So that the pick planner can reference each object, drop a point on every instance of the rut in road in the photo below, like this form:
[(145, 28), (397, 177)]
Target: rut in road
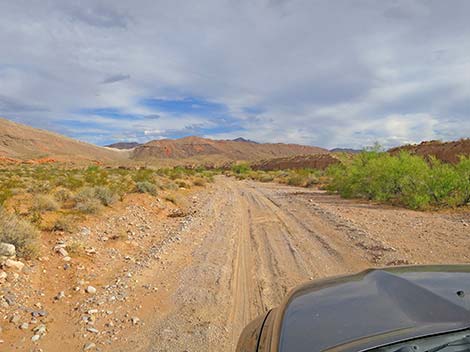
[(255, 246)]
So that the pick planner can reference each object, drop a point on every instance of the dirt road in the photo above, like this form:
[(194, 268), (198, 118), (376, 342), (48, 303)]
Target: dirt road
[(191, 282), (250, 243)]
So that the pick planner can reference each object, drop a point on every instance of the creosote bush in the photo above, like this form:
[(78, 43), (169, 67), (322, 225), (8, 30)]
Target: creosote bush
[(146, 187), (402, 179)]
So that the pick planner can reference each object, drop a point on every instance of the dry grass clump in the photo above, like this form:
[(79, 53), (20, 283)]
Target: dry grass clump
[(89, 206), (44, 202), (75, 248), (19, 233), (65, 224)]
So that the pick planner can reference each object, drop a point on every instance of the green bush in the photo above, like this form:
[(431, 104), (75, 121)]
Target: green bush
[(19, 233), (146, 187), (241, 168), (402, 179), (105, 195)]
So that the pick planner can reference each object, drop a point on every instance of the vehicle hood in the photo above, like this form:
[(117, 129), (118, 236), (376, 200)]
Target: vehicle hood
[(376, 307)]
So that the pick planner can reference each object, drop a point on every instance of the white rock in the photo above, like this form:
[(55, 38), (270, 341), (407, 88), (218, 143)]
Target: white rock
[(24, 326), (63, 252), (92, 330), (88, 346), (14, 264), (3, 275), (35, 338), (7, 250), (91, 289)]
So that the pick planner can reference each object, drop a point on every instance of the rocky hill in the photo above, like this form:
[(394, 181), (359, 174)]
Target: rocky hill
[(123, 145), (20, 142), (311, 161), (204, 149), (445, 151)]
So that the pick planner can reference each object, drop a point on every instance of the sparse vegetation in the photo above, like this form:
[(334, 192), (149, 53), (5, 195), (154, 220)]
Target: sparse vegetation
[(51, 197)]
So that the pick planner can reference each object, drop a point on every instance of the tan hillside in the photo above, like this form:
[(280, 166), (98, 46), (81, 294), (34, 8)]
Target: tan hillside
[(445, 151), (23, 142), (204, 149)]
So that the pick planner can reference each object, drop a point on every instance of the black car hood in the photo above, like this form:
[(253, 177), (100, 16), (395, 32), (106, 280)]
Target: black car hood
[(376, 307)]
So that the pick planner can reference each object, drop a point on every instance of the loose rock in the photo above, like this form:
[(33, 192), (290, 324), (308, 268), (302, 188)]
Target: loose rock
[(14, 264), (91, 289), (7, 250)]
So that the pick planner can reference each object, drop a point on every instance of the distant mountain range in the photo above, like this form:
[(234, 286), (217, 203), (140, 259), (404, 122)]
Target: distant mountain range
[(123, 145), (205, 149), (22, 143)]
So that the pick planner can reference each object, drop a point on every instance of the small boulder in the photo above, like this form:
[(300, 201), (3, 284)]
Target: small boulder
[(7, 250), (88, 346), (14, 264), (63, 252), (91, 289)]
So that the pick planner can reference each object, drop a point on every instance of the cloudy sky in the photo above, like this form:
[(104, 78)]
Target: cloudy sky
[(330, 73)]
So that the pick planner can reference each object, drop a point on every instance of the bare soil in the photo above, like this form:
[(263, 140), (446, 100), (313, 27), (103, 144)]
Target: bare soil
[(236, 249)]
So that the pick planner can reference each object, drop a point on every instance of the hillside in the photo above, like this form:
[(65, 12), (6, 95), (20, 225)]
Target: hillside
[(311, 161), (123, 145), (23, 142), (445, 151), (204, 149), (345, 150)]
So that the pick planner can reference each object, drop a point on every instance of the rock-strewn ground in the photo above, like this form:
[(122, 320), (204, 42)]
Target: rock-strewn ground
[(151, 277)]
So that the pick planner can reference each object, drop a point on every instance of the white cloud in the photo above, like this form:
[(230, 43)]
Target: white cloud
[(329, 73)]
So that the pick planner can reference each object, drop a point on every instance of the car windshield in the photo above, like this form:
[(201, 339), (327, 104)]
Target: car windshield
[(452, 342)]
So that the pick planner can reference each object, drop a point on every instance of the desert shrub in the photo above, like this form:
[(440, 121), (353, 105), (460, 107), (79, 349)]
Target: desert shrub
[(171, 186), (75, 248), (45, 202), (88, 206), (63, 194), (296, 180), (65, 224), (182, 184), (241, 168), (146, 187), (19, 233), (266, 178), (199, 182), (403, 179), (105, 195)]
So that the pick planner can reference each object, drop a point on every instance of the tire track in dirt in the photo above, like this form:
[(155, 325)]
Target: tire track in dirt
[(252, 251)]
